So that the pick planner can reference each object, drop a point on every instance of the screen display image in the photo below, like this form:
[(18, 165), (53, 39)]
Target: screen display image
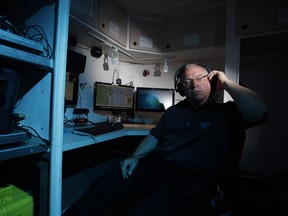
[(113, 97), (154, 99)]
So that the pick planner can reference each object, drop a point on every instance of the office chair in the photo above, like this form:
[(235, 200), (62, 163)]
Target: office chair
[(219, 197)]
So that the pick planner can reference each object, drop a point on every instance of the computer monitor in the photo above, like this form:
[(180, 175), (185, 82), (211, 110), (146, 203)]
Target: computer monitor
[(115, 98), (154, 99)]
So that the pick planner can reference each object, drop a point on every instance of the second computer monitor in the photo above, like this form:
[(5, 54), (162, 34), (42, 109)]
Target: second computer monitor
[(154, 99)]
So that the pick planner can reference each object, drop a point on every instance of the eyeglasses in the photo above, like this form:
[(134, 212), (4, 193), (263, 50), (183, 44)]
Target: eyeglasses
[(187, 82)]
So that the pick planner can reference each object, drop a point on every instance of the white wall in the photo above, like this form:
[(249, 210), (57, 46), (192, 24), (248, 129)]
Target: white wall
[(127, 72)]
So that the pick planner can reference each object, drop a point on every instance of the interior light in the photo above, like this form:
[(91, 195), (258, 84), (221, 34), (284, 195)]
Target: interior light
[(115, 56), (165, 66)]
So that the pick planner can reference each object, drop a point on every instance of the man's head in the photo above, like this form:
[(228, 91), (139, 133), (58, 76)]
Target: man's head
[(194, 84)]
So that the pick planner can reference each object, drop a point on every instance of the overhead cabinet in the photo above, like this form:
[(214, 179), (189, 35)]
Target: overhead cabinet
[(145, 34), (113, 21), (86, 10), (197, 30), (261, 16)]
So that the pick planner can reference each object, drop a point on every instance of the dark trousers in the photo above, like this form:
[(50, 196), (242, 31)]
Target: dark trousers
[(154, 188)]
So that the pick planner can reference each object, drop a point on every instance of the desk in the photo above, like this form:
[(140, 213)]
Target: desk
[(75, 172), (73, 140)]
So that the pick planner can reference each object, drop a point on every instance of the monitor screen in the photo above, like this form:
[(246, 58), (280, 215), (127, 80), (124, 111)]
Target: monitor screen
[(154, 99), (115, 98)]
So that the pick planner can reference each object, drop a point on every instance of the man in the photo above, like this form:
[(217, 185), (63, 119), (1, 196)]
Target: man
[(183, 153)]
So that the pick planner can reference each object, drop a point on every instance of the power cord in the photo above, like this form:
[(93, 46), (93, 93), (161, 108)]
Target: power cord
[(40, 36), (26, 130)]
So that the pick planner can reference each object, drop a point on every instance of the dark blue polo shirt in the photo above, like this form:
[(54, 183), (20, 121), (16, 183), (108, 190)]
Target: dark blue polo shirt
[(200, 139)]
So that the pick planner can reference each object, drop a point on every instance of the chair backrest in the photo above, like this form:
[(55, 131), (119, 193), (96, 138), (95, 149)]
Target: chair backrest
[(237, 141), (217, 197)]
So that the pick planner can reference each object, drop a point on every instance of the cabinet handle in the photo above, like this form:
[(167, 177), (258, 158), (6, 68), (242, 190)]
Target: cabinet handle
[(103, 25), (135, 43), (167, 46)]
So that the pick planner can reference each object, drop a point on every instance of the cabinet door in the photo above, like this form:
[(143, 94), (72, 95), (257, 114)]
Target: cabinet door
[(197, 30), (113, 20), (86, 10), (256, 16), (145, 34)]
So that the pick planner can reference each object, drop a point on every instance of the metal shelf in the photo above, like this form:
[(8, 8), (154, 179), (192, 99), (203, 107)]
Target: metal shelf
[(19, 149), (20, 55), (22, 49)]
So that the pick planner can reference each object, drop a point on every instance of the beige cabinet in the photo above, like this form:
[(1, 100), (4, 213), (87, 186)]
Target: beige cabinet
[(257, 16), (86, 10), (113, 21), (197, 30), (145, 34)]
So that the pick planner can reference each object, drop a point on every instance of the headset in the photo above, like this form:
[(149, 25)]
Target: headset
[(177, 77)]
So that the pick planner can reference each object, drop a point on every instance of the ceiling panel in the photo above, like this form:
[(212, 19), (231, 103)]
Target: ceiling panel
[(163, 9)]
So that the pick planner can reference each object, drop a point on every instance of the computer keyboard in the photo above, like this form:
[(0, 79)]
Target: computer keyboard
[(101, 128)]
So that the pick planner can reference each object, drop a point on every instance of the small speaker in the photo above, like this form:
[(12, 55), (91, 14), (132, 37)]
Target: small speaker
[(96, 52), (75, 62)]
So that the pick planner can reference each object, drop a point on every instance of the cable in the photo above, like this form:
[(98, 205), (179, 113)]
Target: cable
[(140, 117), (40, 36), (67, 121), (24, 128), (79, 100)]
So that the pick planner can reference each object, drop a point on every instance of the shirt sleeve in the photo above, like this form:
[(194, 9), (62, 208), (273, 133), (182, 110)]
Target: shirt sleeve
[(158, 130)]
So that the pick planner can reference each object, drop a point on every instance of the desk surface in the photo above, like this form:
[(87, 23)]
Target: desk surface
[(74, 139)]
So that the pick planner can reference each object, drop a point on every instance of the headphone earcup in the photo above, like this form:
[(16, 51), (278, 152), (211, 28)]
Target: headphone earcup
[(177, 85), (179, 89)]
